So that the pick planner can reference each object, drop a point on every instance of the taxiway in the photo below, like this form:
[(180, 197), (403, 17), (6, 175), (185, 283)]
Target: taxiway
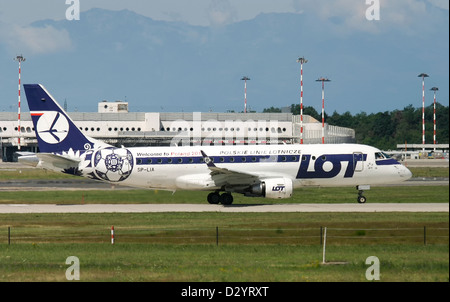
[(158, 208)]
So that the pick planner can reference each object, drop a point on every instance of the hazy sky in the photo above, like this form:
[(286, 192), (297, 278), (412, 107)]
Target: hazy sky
[(195, 12), (345, 16), (207, 12)]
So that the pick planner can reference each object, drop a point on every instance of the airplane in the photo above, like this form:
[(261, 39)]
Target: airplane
[(269, 171)]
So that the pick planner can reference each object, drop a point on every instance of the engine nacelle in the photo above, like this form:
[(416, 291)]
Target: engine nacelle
[(275, 188)]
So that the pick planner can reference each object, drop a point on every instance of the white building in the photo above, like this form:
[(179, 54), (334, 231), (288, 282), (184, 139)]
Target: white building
[(115, 125)]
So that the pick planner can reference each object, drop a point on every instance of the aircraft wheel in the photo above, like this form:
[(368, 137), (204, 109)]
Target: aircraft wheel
[(226, 199), (214, 198), (362, 199)]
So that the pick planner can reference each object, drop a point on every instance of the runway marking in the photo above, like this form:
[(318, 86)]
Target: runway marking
[(159, 208)]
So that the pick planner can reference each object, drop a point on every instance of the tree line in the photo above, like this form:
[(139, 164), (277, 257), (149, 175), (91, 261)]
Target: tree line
[(385, 130)]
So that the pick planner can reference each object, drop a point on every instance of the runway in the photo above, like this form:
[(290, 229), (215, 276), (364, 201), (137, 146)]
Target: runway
[(261, 208)]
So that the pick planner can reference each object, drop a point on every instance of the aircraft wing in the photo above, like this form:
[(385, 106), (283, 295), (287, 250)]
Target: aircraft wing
[(222, 176)]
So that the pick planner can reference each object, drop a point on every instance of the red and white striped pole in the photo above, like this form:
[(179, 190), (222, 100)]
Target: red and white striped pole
[(112, 234), (323, 113), (323, 80), (20, 59), (301, 61), (245, 79), (423, 76), (434, 89)]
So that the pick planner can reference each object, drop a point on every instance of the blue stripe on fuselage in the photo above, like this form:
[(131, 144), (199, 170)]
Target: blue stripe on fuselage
[(216, 159), (386, 162)]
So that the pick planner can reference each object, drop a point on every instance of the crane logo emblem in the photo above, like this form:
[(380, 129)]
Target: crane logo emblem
[(52, 127)]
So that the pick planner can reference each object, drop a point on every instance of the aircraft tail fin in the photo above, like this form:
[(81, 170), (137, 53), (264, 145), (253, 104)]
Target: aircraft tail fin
[(55, 130)]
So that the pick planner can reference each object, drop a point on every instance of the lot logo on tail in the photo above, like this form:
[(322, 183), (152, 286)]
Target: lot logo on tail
[(52, 126)]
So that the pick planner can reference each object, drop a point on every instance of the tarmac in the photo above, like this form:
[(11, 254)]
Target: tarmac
[(261, 208)]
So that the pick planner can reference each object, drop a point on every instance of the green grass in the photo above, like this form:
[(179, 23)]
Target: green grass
[(32, 173), (142, 262), (429, 171), (233, 228), (182, 246), (401, 194)]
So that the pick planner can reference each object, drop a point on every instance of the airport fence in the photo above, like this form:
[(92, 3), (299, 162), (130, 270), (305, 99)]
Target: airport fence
[(226, 235)]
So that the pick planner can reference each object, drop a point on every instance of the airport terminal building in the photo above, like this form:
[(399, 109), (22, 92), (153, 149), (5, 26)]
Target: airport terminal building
[(114, 125)]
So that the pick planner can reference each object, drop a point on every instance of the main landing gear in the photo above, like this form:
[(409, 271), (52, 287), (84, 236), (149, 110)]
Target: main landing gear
[(216, 198), (361, 198)]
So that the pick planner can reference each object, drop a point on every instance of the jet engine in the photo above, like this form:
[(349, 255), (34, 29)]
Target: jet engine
[(275, 188)]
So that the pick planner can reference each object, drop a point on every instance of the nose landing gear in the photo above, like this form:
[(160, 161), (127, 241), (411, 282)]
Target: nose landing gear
[(361, 198), (361, 188)]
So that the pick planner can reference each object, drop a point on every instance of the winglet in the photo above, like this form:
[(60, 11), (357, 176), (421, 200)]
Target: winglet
[(208, 161)]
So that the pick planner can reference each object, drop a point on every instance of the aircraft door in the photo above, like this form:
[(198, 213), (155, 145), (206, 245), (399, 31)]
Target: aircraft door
[(358, 162)]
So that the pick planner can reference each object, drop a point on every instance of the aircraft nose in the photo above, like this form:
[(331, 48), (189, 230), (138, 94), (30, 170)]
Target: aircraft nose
[(405, 173)]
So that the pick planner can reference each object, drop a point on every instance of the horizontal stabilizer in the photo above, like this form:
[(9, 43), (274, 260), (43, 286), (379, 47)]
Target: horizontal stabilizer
[(56, 162)]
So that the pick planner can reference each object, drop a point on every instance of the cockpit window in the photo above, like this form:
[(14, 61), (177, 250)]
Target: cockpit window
[(386, 155), (381, 155)]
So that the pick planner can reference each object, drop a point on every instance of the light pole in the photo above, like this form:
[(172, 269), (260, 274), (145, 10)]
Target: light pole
[(20, 59), (245, 79), (301, 61), (434, 89), (323, 80), (423, 76)]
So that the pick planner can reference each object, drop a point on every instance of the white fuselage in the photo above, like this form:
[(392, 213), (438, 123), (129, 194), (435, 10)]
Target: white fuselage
[(175, 168)]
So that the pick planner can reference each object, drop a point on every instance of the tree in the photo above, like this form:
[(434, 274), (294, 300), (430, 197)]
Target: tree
[(385, 130), (272, 110)]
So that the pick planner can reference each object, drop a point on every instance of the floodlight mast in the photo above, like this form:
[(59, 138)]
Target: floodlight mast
[(19, 59), (245, 79), (301, 61), (434, 89), (423, 76), (323, 80)]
